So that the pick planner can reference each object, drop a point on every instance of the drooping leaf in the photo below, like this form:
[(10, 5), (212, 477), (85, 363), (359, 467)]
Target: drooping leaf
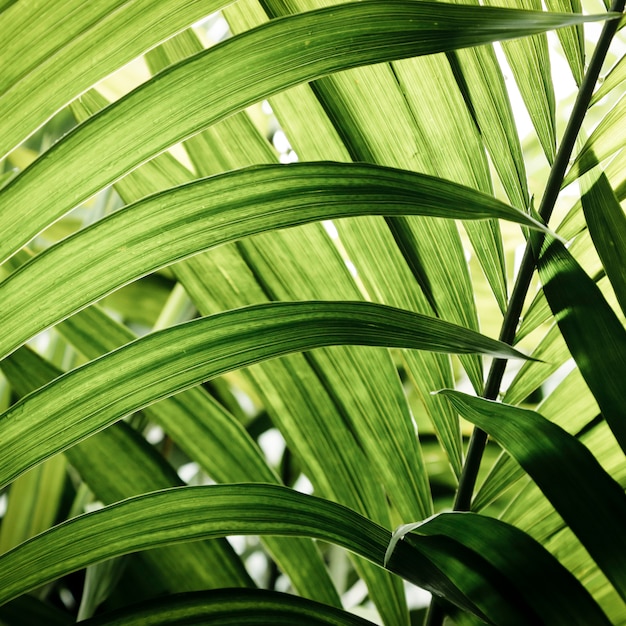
[(304, 401), (506, 564), (213, 438), (593, 334), (605, 140), (121, 137), (441, 557), (174, 359), (607, 227), (230, 606), (567, 473), (51, 56), (173, 225), (118, 463)]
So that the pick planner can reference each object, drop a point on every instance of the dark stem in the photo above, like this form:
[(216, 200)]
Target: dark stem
[(478, 440)]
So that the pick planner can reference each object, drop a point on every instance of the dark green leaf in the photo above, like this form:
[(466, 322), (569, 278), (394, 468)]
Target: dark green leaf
[(595, 337), (585, 496)]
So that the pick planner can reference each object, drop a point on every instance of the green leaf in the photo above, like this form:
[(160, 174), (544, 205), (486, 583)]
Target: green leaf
[(572, 39), (595, 337), (511, 577), (230, 606), (28, 513), (186, 220), (567, 473), (435, 558), (207, 433), (184, 514), (605, 140), (118, 463), (483, 85), (613, 79), (529, 61), (27, 610), (306, 402), (607, 227), (171, 360), (51, 56), (303, 47)]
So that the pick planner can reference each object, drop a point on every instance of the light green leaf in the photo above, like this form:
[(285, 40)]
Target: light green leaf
[(481, 78), (52, 54), (440, 563), (177, 358), (180, 104), (175, 224), (613, 79), (34, 503), (303, 401), (215, 439), (567, 473), (529, 61), (118, 463), (606, 139), (572, 39)]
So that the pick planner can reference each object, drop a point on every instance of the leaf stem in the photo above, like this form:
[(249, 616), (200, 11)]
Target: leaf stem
[(478, 440)]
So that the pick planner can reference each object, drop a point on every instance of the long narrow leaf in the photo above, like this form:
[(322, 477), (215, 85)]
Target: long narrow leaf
[(184, 221), (242, 70), (230, 607), (587, 498), (163, 363), (607, 138), (52, 54), (607, 227), (199, 426), (595, 337), (443, 556), (537, 589)]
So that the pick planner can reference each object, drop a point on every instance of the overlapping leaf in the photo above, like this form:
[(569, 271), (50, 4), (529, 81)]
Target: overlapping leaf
[(180, 103), (173, 225), (567, 473), (444, 555), (97, 394)]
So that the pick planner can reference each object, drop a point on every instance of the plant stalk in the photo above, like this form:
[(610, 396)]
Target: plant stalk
[(478, 439)]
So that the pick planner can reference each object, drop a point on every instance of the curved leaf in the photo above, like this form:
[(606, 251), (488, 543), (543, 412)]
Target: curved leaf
[(607, 138), (93, 396), (242, 70), (522, 583), (613, 79), (607, 227), (595, 337), (184, 514), (585, 496), (437, 558), (230, 607), (199, 425), (52, 54), (183, 221)]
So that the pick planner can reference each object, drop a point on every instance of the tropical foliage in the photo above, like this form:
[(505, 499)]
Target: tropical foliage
[(240, 389)]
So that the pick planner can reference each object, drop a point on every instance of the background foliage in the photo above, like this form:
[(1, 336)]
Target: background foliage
[(236, 389)]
